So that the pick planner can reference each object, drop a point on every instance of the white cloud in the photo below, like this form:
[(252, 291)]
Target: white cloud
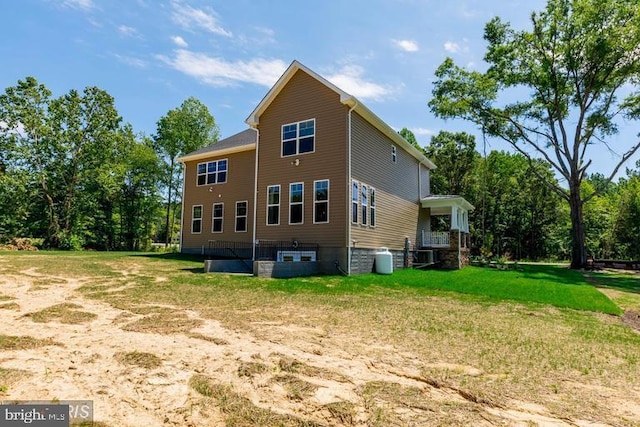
[(127, 31), (350, 79), (79, 4), (407, 45), (422, 131), (179, 41), (130, 60), (219, 72), (189, 17), (452, 47)]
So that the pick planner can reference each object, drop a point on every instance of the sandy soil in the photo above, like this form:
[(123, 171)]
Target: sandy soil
[(84, 367)]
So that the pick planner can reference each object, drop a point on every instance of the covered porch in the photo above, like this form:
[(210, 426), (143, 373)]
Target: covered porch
[(449, 248)]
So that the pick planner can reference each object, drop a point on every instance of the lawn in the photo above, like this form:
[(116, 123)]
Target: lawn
[(507, 340)]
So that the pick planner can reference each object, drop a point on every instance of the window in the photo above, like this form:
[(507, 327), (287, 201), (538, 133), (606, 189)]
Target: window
[(354, 201), (196, 219), (241, 216), (298, 138), (296, 203), (273, 205), (212, 172), (218, 213), (363, 199), (321, 201), (372, 207), (394, 154)]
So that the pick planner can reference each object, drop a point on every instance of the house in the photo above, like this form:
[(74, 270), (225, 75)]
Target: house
[(317, 184)]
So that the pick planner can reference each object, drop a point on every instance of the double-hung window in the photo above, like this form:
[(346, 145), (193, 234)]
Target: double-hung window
[(217, 217), (273, 205), (298, 138), (196, 219), (372, 207), (214, 172), (394, 154), (241, 216), (296, 203), (363, 199), (354, 201), (321, 201)]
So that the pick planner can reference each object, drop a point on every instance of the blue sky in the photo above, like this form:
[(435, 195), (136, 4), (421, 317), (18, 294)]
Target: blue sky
[(151, 55)]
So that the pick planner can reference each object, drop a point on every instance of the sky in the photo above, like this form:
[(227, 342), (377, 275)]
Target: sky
[(151, 55)]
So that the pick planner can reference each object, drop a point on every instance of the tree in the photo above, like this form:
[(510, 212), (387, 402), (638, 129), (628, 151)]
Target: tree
[(575, 62), (179, 132), (455, 155), (410, 137)]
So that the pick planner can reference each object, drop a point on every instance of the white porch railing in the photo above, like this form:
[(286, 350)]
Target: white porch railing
[(435, 239)]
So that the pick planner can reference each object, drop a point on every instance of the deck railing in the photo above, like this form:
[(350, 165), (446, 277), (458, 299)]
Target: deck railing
[(435, 239)]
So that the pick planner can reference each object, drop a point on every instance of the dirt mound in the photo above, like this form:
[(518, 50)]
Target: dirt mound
[(632, 319)]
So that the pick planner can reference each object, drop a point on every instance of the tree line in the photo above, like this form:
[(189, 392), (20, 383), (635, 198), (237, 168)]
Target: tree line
[(73, 174), (519, 217)]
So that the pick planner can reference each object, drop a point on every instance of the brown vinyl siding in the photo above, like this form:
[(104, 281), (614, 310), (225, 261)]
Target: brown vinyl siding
[(396, 184), (304, 98), (239, 187)]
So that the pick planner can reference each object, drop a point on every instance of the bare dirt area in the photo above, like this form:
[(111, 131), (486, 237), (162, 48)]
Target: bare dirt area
[(163, 365)]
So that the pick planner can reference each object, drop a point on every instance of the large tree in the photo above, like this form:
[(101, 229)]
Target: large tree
[(578, 60), (455, 155), (182, 130)]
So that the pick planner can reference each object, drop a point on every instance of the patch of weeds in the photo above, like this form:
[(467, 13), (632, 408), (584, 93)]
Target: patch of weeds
[(8, 377), (11, 342), (10, 306), (172, 323), (343, 412), (63, 313), (296, 388), (5, 297), (240, 411), (141, 359), (215, 340), (251, 369), (293, 366)]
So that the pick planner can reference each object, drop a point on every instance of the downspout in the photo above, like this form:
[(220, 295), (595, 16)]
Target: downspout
[(184, 179), (349, 189), (255, 194)]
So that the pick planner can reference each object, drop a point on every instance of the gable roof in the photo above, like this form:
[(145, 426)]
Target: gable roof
[(349, 100), (241, 141)]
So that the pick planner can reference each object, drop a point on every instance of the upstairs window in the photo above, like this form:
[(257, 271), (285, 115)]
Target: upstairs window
[(212, 172), (298, 138), (394, 154)]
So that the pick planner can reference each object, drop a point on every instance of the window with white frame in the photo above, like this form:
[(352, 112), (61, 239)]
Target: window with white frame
[(394, 154), (298, 138), (241, 216), (214, 172), (321, 201), (372, 207), (273, 205), (354, 201), (296, 203), (196, 219), (217, 217), (364, 197)]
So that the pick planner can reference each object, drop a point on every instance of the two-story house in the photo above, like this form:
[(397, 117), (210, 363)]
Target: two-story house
[(317, 184)]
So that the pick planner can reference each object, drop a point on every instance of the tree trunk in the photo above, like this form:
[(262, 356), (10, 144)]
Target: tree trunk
[(578, 252), (168, 233)]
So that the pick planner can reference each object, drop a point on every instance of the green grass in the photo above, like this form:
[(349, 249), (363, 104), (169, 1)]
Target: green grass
[(539, 284)]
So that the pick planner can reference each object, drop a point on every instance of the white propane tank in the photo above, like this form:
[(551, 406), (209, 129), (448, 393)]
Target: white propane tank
[(384, 261)]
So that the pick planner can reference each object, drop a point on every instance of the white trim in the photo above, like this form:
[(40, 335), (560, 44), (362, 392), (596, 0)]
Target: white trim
[(255, 197), (278, 205), (348, 185), (221, 218), (301, 203), (217, 153), (245, 216), (201, 218), (321, 201)]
